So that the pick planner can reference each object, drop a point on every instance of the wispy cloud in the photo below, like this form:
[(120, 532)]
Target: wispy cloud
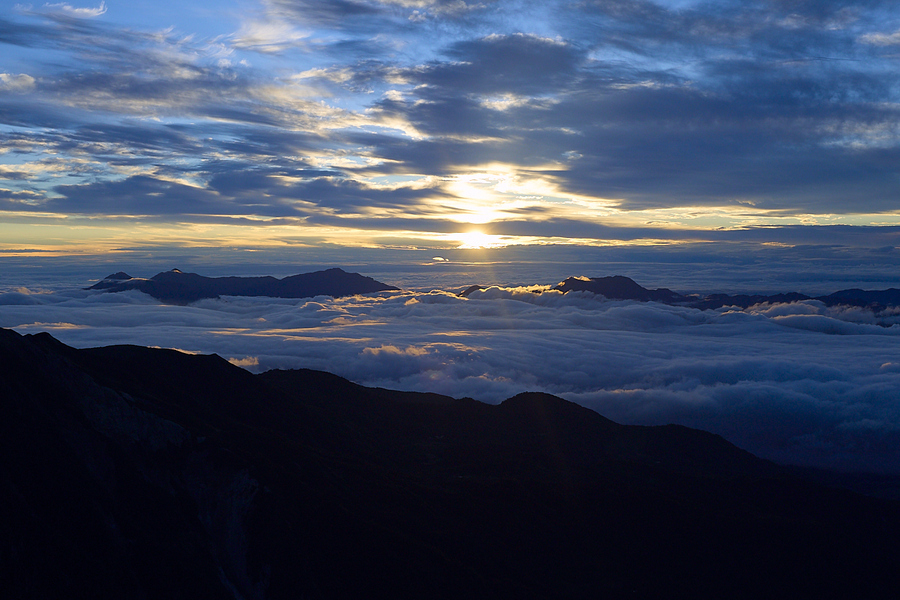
[(66, 9), (20, 82), (269, 37), (882, 39)]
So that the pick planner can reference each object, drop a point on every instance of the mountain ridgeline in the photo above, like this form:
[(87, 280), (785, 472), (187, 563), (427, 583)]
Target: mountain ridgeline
[(132, 472), (177, 287), (619, 287)]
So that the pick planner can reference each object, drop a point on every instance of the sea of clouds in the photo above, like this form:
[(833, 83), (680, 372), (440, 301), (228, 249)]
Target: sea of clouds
[(797, 383)]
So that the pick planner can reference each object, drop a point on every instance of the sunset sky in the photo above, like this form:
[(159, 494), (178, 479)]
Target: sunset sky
[(438, 124)]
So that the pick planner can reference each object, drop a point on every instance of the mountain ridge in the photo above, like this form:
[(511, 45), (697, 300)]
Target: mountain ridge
[(178, 287), (620, 287)]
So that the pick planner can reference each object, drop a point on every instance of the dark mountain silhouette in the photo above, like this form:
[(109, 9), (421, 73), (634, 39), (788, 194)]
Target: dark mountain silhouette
[(874, 299), (619, 287), (131, 472), (713, 301), (177, 287), (468, 291)]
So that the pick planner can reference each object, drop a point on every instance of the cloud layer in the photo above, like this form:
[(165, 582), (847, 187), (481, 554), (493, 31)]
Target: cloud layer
[(796, 383)]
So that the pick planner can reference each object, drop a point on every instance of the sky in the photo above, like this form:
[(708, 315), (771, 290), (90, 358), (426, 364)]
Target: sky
[(282, 125)]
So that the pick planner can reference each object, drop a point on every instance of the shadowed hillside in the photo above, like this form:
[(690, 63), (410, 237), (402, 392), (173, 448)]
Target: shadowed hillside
[(130, 472)]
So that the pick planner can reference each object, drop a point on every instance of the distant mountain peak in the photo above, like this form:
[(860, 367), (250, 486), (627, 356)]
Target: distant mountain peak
[(620, 287), (118, 276), (117, 279), (617, 287), (178, 287), (469, 290)]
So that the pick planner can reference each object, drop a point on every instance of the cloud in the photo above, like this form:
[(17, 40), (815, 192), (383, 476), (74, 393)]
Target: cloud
[(797, 382), (67, 10), (345, 195), (269, 36), (17, 201), (519, 63), (78, 12), (17, 298), (251, 193), (20, 83), (661, 144), (881, 39), (138, 195), (246, 362)]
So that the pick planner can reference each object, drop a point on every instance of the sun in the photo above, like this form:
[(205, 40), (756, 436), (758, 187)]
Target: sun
[(475, 239)]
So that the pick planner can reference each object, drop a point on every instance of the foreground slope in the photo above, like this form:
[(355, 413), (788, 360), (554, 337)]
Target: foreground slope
[(129, 472)]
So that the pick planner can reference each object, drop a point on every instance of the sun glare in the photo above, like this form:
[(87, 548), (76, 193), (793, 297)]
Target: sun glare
[(476, 239)]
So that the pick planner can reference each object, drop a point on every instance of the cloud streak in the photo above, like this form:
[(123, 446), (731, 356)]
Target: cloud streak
[(68, 10)]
